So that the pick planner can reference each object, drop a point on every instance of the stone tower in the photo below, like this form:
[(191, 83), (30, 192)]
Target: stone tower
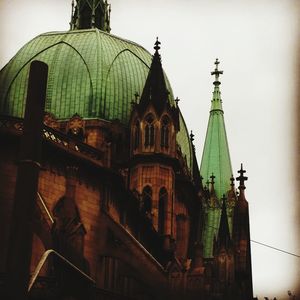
[(154, 124)]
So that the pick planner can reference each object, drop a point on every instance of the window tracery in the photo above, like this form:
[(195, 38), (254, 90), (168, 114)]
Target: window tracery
[(164, 134), (149, 131), (136, 135)]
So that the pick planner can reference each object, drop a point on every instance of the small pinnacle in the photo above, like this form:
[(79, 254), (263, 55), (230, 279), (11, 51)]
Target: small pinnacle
[(212, 177), (136, 95), (242, 178), (157, 43), (232, 180), (192, 136)]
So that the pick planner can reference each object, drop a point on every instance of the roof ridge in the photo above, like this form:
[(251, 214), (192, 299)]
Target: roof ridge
[(92, 30)]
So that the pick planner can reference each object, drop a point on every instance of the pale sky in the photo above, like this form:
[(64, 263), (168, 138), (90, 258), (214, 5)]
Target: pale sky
[(257, 42)]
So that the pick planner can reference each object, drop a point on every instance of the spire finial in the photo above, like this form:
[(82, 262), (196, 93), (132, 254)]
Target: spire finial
[(232, 181), (217, 73), (192, 136), (157, 43), (136, 96), (212, 177), (242, 178), (176, 101)]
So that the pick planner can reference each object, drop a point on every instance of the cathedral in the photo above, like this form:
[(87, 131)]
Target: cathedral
[(101, 193)]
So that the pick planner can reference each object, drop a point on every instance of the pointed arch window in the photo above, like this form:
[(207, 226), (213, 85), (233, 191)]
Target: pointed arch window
[(162, 208), (164, 133), (85, 17), (149, 131), (147, 199), (136, 135)]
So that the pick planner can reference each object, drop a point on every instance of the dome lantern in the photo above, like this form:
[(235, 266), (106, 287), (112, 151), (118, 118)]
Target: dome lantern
[(91, 14)]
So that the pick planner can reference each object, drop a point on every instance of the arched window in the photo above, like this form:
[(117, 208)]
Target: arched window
[(136, 135), (164, 134), (147, 199), (149, 131), (162, 207), (85, 17)]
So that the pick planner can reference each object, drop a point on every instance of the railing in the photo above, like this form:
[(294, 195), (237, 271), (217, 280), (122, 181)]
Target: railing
[(42, 204), (43, 260), (50, 283), (55, 137)]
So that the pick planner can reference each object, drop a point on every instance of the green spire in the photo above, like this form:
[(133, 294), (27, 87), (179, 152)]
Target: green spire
[(216, 161), (216, 158)]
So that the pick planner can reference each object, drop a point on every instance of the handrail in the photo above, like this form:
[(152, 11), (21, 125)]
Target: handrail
[(136, 242), (45, 207), (58, 138), (42, 262)]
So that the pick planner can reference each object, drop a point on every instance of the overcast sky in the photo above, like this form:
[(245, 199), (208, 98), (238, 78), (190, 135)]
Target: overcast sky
[(257, 42)]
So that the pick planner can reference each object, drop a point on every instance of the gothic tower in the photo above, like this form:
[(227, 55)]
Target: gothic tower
[(154, 123)]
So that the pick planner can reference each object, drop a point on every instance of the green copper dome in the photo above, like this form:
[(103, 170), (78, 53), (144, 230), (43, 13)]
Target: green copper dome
[(91, 72)]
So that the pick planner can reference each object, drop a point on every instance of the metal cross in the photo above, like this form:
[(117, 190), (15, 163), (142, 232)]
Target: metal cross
[(212, 177), (232, 180), (216, 72), (242, 178), (157, 43), (192, 136)]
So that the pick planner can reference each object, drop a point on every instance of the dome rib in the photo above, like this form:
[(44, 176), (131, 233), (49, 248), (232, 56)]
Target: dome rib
[(84, 77), (131, 71), (39, 53)]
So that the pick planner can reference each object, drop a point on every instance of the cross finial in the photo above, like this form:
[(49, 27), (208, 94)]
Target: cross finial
[(217, 73), (157, 43), (232, 181), (212, 177), (177, 100), (217, 63), (242, 178), (192, 136), (136, 96)]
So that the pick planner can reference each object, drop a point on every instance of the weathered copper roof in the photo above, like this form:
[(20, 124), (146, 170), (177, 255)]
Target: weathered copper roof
[(216, 161), (216, 157), (91, 73)]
